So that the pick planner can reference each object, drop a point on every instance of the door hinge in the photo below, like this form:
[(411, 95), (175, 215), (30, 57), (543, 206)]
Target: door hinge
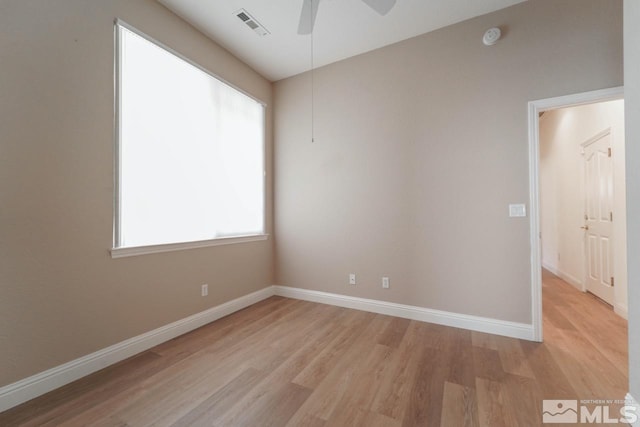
[(611, 216), (613, 282), (609, 151)]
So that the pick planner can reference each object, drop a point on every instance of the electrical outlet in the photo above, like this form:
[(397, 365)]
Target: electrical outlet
[(385, 282), (352, 278), (204, 291)]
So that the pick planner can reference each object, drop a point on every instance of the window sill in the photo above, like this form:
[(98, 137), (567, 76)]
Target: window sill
[(170, 247)]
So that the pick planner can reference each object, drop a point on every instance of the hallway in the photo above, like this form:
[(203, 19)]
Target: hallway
[(587, 340)]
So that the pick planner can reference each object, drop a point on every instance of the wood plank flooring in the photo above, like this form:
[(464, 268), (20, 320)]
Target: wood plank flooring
[(283, 362)]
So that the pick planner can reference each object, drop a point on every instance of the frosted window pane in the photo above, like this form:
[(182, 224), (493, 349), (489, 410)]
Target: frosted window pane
[(191, 151)]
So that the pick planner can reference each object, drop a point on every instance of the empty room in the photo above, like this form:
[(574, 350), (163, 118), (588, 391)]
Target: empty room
[(319, 213)]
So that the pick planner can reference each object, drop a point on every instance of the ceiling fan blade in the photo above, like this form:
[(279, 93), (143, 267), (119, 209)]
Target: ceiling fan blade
[(308, 16), (381, 6)]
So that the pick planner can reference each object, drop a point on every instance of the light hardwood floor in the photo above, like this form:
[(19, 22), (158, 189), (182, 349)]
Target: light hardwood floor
[(284, 362)]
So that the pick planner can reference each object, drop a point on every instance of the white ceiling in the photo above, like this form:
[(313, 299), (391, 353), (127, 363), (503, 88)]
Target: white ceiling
[(344, 28)]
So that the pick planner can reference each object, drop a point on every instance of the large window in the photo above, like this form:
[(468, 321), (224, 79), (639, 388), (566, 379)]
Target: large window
[(190, 155)]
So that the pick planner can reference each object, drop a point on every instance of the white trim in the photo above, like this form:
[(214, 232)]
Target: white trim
[(14, 394), (170, 247), (534, 219), (117, 133), (534, 108), (573, 100), (551, 268), (29, 388), (474, 323), (633, 402), (621, 311), (597, 137), (573, 281)]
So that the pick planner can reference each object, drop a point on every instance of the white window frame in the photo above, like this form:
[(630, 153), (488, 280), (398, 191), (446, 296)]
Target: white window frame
[(118, 251)]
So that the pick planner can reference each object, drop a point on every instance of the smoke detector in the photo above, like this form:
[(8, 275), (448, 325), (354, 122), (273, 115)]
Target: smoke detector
[(491, 36), (251, 22)]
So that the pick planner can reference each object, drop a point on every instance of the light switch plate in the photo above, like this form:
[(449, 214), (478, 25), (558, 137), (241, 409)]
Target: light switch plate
[(517, 210)]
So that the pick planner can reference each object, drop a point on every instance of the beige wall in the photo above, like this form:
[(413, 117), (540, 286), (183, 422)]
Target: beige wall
[(61, 294), (420, 147), (562, 191), (632, 116)]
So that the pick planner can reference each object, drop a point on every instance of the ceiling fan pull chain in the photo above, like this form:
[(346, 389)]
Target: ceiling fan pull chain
[(312, 86)]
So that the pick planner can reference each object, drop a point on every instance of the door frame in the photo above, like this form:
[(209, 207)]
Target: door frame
[(534, 108)]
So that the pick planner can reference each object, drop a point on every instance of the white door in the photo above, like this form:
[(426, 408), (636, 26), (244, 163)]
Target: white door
[(599, 216)]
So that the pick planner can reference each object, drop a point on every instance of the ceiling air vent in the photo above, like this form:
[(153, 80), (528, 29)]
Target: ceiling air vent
[(251, 22)]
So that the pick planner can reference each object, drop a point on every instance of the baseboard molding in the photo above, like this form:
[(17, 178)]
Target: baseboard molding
[(551, 268), (29, 388), (621, 311), (573, 281), (617, 308), (39, 384), (474, 323)]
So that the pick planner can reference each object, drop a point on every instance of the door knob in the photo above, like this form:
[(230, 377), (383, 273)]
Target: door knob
[(586, 227)]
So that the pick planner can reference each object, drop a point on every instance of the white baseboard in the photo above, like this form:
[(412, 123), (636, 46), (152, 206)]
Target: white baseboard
[(621, 311), (14, 394), (632, 402), (464, 321), (617, 308), (547, 266), (29, 388), (573, 281)]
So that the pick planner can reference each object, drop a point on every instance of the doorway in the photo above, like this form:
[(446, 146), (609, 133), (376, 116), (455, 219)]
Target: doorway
[(576, 187)]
